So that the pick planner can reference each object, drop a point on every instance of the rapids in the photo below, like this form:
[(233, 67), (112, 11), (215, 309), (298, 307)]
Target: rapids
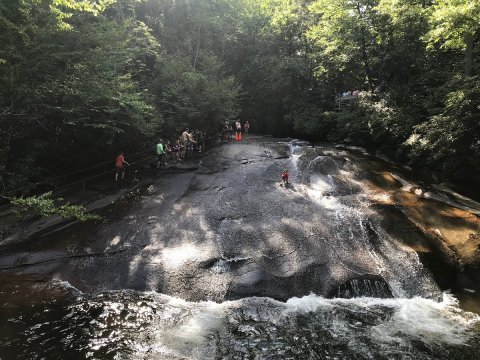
[(146, 325)]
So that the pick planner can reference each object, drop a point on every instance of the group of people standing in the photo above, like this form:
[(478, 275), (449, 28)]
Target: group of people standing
[(229, 129), (178, 149), (188, 142), (171, 150)]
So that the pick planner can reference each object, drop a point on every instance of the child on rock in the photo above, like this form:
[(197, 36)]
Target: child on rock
[(284, 178)]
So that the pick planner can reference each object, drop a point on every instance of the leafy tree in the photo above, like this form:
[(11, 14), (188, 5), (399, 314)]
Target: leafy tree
[(69, 95), (81, 78), (449, 142), (455, 24), (347, 36), (201, 97), (269, 60), (65, 9)]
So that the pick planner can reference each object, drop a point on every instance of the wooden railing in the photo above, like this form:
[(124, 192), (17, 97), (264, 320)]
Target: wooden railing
[(344, 102)]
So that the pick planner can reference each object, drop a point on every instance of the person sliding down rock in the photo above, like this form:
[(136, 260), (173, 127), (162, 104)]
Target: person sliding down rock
[(284, 178)]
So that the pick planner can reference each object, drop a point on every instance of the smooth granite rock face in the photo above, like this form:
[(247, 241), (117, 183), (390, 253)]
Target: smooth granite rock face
[(228, 230)]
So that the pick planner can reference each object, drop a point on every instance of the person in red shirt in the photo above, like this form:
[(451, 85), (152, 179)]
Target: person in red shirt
[(284, 178), (120, 165)]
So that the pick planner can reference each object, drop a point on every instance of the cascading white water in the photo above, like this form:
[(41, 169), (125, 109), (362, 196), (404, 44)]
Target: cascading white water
[(151, 325), (349, 213), (296, 152), (225, 264)]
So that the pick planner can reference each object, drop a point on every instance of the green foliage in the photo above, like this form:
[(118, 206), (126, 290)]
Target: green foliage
[(68, 96), (80, 79), (455, 24), (65, 9), (452, 21), (314, 124), (269, 60), (199, 97), (449, 142), (44, 205), (347, 33)]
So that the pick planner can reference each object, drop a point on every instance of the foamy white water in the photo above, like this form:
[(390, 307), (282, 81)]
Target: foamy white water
[(368, 327)]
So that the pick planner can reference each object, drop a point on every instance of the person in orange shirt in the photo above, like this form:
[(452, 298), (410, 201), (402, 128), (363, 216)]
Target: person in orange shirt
[(120, 165)]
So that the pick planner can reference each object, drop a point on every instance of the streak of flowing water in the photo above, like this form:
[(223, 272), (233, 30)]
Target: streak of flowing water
[(355, 227), (225, 264), (296, 152)]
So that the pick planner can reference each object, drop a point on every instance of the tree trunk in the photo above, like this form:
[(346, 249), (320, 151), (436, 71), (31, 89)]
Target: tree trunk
[(366, 63), (120, 16), (365, 58), (196, 54), (469, 40), (197, 47)]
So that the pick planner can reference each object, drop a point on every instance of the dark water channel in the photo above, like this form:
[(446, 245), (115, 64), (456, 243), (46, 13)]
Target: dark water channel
[(223, 263)]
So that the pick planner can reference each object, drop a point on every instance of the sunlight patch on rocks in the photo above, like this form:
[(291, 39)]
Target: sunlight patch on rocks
[(134, 264), (381, 198), (115, 242), (177, 256)]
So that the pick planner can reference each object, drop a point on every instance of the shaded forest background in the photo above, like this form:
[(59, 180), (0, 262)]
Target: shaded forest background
[(80, 80)]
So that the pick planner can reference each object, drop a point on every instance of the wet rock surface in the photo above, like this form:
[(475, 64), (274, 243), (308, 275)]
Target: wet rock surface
[(228, 230), (196, 250)]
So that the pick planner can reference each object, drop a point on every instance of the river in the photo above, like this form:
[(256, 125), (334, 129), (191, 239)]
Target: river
[(354, 260)]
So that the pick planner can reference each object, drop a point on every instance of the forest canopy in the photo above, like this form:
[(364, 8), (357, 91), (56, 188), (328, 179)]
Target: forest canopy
[(81, 79)]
